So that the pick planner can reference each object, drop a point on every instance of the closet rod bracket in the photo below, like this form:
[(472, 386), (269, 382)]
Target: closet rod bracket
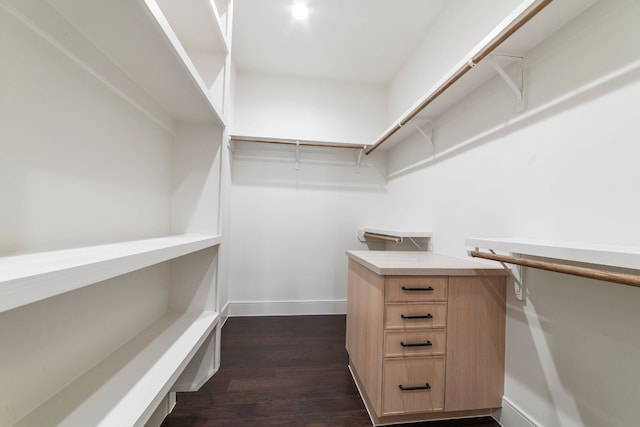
[(516, 273), (517, 88), (297, 166), (428, 135), (359, 159)]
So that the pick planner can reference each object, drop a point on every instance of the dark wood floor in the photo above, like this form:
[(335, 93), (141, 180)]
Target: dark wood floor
[(283, 371)]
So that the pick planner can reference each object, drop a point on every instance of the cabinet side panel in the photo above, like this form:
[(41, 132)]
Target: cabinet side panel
[(475, 343), (365, 303)]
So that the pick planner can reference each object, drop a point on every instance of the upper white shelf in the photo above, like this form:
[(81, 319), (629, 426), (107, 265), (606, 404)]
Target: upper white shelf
[(444, 96), (609, 255), (125, 388), (28, 278), (125, 40), (198, 26)]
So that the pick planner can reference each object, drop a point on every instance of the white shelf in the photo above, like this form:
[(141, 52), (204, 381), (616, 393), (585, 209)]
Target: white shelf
[(124, 41), (126, 387), (28, 278), (396, 233), (370, 235), (197, 26), (203, 54), (609, 255), (550, 19)]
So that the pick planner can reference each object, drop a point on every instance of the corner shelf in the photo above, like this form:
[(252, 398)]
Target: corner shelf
[(28, 278), (125, 388), (392, 235), (609, 255)]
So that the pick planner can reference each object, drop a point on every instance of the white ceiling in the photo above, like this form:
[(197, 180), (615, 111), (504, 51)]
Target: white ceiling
[(354, 40)]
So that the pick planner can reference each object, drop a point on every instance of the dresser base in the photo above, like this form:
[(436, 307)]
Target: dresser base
[(410, 418)]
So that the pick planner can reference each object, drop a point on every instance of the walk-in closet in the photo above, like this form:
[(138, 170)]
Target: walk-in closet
[(319, 212)]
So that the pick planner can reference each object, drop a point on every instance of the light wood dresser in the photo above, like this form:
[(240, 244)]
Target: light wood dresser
[(425, 335)]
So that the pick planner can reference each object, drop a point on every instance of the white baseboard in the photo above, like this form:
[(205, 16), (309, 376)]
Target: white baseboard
[(510, 415), (286, 308)]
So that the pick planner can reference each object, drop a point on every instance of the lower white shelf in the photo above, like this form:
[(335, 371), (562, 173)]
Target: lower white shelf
[(396, 232), (25, 279), (126, 387), (393, 235)]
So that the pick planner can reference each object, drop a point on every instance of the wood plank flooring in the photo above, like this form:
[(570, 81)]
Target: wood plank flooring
[(283, 371)]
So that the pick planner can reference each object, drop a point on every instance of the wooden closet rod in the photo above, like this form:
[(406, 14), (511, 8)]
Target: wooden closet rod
[(514, 26), (591, 273), (383, 237), (303, 143)]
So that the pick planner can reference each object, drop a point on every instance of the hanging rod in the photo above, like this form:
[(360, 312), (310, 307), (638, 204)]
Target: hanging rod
[(514, 26), (591, 273), (383, 237), (300, 142)]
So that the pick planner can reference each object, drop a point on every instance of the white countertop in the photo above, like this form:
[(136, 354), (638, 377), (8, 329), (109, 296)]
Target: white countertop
[(414, 263)]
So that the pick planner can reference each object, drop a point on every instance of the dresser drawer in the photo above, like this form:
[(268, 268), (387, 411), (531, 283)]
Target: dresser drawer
[(415, 316), (415, 288), (413, 385), (423, 343)]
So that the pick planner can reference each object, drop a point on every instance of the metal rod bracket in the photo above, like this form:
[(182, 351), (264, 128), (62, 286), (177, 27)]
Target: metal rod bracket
[(517, 275), (428, 135), (359, 159), (518, 89), (297, 155)]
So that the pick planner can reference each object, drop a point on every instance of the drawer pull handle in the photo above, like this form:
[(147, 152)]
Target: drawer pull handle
[(417, 344), (415, 387), (429, 289), (422, 316)]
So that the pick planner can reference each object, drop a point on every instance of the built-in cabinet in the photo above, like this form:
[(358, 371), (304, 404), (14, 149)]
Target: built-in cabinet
[(425, 335), (114, 175)]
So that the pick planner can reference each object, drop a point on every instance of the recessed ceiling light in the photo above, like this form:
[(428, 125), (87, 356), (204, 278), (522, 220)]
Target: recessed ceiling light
[(300, 11)]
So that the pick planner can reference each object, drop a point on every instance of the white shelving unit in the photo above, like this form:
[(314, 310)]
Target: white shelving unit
[(25, 279), (117, 328), (609, 255)]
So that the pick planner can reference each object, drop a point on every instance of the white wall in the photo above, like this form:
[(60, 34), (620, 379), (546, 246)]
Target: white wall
[(303, 108), (290, 228), (564, 169)]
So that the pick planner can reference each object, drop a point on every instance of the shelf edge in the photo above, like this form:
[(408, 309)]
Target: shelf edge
[(75, 269), (142, 370), (608, 255)]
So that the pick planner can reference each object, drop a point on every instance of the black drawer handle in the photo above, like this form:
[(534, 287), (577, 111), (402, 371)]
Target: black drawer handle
[(429, 289), (422, 316), (417, 344), (416, 387)]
